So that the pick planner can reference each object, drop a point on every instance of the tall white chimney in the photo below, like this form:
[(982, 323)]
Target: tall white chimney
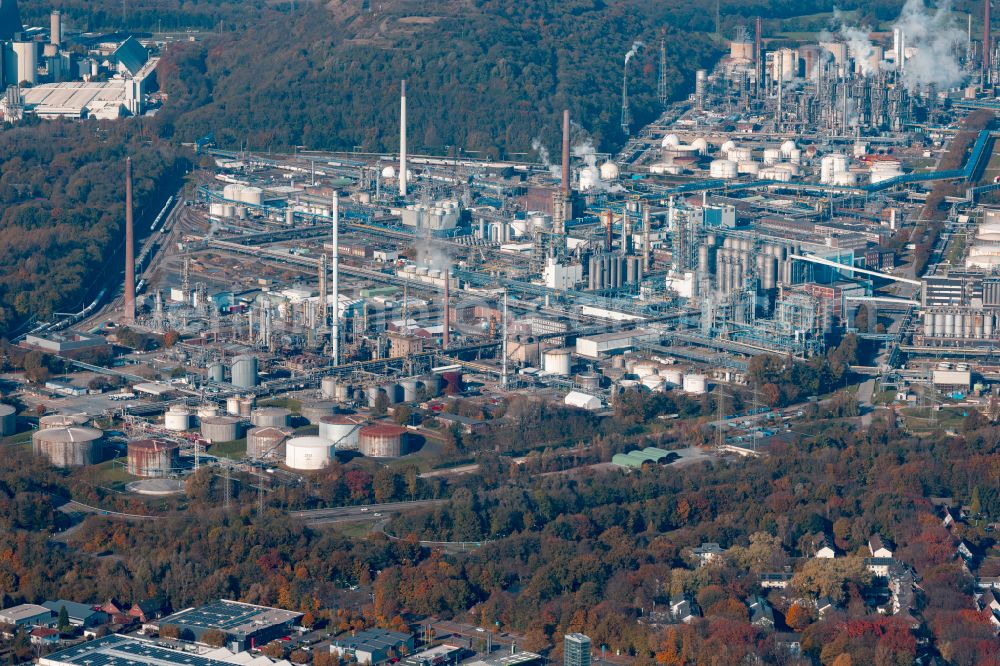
[(402, 139), (335, 325)]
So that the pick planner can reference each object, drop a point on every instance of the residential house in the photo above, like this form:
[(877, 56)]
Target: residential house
[(879, 566), (148, 610), (761, 613), (989, 599), (682, 610), (112, 607), (789, 641), (80, 615), (878, 547), (821, 547), (44, 636), (775, 579), (963, 551), (824, 606), (707, 552)]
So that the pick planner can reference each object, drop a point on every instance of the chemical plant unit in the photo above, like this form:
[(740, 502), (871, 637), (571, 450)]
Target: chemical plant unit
[(772, 212), (52, 72)]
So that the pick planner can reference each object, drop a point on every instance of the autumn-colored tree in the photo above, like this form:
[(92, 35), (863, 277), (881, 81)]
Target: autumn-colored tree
[(843, 659), (274, 650), (798, 617), (170, 631), (214, 637)]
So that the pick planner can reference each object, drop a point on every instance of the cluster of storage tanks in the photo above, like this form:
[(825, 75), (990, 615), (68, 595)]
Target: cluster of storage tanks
[(973, 324), (985, 251), (243, 194), (731, 263), (779, 164), (656, 376), (244, 371), (612, 270), (378, 440)]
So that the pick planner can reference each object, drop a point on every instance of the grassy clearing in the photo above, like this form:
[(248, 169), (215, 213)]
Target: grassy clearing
[(288, 403), (235, 450)]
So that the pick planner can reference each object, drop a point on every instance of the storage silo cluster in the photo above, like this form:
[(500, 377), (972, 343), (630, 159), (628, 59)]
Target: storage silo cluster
[(612, 271), (244, 371)]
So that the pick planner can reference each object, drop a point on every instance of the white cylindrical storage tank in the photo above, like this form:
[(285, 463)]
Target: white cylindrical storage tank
[(557, 361), (670, 140), (267, 442), (609, 171), (586, 177), (826, 169), (62, 421), (724, 169), (694, 383), (938, 324), (928, 325), (177, 418), (410, 387), (74, 446), (341, 429), (275, 417), (845, 179), (653, 382), (739, 154), (949, 325), (787, 147), (772, 156), (748, 167), (220, 428), (216, 373), (987, 325), (308, 453), (329, 387), (8, 420), (207, 410), (233, 405), (253, 195), (673, 376), (795, 157), (245, 371)]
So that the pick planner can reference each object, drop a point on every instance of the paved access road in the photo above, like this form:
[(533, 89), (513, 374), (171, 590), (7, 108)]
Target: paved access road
[(344, 514)]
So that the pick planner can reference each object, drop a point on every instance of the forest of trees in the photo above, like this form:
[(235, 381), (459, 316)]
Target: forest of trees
[(488, 76), (62, 208)]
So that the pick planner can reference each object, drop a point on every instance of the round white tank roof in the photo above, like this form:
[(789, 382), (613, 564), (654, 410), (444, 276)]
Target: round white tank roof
[(609, 171), (670, 140), (388, 172), (310, 442)]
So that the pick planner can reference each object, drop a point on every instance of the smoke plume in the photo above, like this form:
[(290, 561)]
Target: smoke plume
[(634, 50), (936, 42), (543, 155)]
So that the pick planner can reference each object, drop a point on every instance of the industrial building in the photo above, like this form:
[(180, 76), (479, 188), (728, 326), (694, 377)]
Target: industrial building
[(373, 646), (245, 625), (115, 650)]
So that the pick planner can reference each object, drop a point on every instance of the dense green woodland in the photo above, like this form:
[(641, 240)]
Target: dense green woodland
[(62, 209), (582, 552)]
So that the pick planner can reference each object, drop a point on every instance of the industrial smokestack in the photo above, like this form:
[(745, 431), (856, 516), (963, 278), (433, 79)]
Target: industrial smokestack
[(987, 41), (446, 340), (646, 233), (55, 27), (402, 139), (129, 246), (565, 154), (335, 321)]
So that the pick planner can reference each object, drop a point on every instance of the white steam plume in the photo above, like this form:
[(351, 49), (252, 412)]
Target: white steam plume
[(634, 50), (936, 42), (860, 48), (543, 155)]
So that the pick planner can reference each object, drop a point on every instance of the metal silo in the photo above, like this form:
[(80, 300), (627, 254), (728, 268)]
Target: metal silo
[(153, 458), (8, 420), (244, 371), (314, 411), (267, 442), (217, 373), (221, 428), (275, 417), (73, 446), (382, 440)]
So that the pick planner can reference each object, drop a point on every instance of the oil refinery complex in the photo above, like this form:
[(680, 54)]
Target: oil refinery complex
[(787, 203)]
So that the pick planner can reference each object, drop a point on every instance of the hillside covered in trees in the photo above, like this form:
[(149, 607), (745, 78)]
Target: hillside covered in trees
[(62, 209), (483, 75)]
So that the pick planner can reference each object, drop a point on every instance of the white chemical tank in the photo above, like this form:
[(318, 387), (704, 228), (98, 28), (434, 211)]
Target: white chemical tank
[(696, 384)]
